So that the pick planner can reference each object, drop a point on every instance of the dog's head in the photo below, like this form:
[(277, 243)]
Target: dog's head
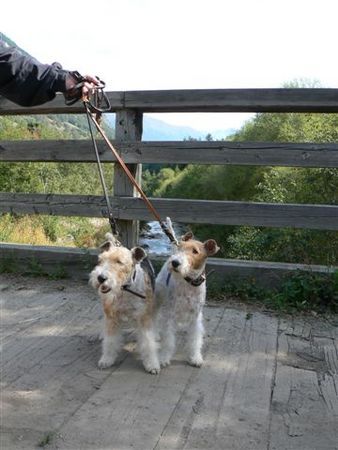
[(115, 267), (191, 255)]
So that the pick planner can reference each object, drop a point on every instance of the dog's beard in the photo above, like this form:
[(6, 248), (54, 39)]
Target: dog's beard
[(104, 289)]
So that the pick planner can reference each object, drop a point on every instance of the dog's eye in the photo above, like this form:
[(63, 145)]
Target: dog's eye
[(118, 261), (195, 251)]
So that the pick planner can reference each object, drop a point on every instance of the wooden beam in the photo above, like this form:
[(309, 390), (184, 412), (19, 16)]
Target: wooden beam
[(176, 152), (200, 100), (234, 100), (77, 262), (320, 217), (128, 127)]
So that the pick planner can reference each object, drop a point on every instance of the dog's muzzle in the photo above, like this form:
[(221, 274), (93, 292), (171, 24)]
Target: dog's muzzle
[(102, 286), (175, 264)]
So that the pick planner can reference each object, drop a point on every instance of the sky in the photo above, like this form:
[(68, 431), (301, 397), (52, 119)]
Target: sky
[(183, 44)]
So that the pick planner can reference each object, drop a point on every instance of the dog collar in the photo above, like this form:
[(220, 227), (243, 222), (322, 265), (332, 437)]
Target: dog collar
[(126, 287), (196, 281), (193, 281)]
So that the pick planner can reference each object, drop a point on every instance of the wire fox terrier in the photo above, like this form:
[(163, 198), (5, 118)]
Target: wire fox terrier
[(124, 280), (180, 292)]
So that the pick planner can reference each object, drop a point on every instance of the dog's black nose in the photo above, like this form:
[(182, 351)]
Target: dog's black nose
[(175, 263), (101, 278)]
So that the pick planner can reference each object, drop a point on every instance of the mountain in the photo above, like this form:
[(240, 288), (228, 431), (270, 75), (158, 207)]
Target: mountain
[(158, 130)]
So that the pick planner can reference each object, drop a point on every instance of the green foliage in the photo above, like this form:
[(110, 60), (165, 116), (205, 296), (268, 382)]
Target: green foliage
[(35, 268), (56, 178), (299, 291), (265, 184), (307, 290), (287, 245), (209, 182)]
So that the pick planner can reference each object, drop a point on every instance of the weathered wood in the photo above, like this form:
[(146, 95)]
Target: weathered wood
[(267, 274), (320, 217), (142, 405), (234, 100), (128, 126), (54, 261), (201, 100), (176, 152), (303, 403), (251, 393), (230, 407), (77, 263)]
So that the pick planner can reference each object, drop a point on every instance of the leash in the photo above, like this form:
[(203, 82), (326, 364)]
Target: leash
[(111, 219), (94, 110)]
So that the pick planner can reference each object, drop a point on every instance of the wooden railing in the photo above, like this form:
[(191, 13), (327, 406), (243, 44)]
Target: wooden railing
[(129, 107)]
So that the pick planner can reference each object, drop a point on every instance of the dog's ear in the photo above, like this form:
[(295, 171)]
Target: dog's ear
[(211, 247), (187, 236), (138, 254), (105, 246)]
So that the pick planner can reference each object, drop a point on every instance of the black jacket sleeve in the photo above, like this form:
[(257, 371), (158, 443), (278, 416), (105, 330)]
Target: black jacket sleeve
[(27, 82)]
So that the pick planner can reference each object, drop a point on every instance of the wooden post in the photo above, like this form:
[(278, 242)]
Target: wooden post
[(128, 127)]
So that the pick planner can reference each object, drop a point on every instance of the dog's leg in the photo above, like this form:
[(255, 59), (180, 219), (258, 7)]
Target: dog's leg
[(195, 341), (168, 343), (111, 344), (147, 346)]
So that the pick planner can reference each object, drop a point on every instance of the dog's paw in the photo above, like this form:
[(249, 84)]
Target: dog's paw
[(196, 361), (105, 362), (152, 367), (165, 362), (153, 370)]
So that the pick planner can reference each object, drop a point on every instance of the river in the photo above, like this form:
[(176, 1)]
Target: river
[(154, 241)]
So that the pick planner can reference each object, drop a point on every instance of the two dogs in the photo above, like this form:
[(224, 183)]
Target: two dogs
[(126, 285)]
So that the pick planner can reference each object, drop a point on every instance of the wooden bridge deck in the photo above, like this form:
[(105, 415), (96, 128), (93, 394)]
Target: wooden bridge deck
[(267, 383)]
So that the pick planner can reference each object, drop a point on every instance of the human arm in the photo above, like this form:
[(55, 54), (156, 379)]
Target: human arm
[(27, 82)]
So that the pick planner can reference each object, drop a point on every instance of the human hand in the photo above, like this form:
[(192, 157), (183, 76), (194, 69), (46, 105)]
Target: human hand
[(89, 85), (78, 86)]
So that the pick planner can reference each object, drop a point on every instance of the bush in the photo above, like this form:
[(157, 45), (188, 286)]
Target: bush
[(299, 291)]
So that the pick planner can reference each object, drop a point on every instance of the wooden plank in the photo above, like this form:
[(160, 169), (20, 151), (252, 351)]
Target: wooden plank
[(128, 126), (298, 408), (200, 100), (131, 406), (267, 274), (72, 262), (76, 263), (56, 370), (320, 217), (234, 100), (227, 403), (176, 152)]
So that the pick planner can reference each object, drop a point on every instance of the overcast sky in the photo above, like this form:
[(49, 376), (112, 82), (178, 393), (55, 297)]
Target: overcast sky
[(183, 44)]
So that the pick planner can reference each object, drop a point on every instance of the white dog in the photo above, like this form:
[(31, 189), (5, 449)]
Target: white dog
[(124, 280), (180, 292)]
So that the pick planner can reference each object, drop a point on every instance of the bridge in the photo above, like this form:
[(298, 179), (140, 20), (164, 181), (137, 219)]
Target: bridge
[(268, 382)]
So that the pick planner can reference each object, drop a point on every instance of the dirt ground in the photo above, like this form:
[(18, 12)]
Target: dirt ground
[(268, 382)]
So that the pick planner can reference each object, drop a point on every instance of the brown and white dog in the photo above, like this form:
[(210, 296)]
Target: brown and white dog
[(124, 280), (180, 292)]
